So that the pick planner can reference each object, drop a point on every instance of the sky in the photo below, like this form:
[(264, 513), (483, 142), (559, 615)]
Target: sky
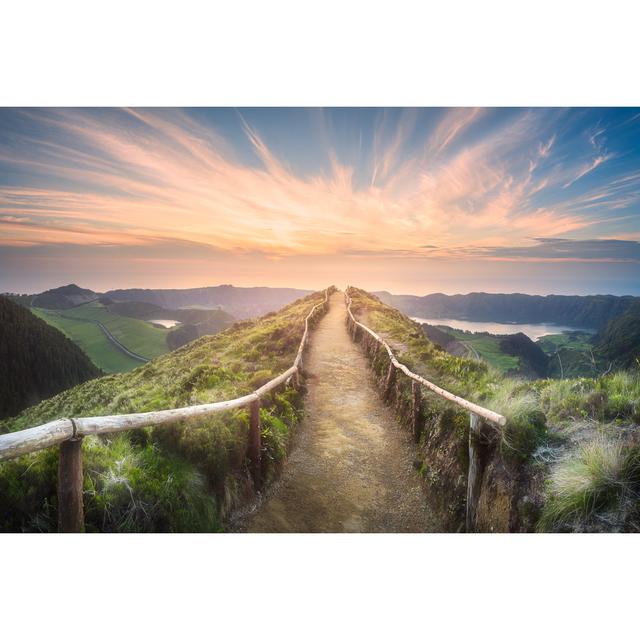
[(408, 200)]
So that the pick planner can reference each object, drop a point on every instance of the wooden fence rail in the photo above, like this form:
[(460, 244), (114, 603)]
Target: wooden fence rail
[(478, 415), (68, 433)]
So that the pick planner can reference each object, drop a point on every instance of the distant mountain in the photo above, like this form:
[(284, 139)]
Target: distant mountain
[(38, 361), (619, 342), (240, 302), (66, 297), (593, 312)]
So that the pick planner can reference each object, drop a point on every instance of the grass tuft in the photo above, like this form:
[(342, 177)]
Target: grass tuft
[(599, 478)]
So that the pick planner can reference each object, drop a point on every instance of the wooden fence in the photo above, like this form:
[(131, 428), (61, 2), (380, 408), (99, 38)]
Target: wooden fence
[(68, 433), (478, 415)]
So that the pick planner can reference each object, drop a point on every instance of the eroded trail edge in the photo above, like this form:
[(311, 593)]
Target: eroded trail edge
[(351, 467)]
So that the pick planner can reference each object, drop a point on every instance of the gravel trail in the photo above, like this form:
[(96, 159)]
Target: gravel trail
[(351, 465)]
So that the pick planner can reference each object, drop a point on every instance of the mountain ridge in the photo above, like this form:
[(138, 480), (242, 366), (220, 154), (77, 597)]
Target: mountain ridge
[(591, 311)]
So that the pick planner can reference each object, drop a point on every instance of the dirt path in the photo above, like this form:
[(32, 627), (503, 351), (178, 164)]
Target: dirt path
[(351, 467)]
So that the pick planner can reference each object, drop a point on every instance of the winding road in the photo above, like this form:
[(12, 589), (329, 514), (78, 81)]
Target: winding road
[(351, 467)]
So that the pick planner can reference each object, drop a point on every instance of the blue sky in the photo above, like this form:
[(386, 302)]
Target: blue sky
[(410, 200)]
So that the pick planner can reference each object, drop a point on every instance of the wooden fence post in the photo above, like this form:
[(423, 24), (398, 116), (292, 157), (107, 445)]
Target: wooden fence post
[(417, 425), (474, 480), (70, 505), (391, 378), (254, 452)]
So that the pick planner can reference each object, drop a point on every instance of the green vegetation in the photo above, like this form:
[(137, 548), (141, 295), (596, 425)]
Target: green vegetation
[(593, 487), (596, 485), (570, 354), (240, 302), (470, 378), (136, 335), (619, 343), (81, 325), (576, 340), (488, 348), (614, 396), (36, 360), (187, 476), (564, 355), (91, 339), (128, 323)]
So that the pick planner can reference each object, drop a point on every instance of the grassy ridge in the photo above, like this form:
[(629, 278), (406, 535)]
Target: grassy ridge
[(592, 422), (469, 378), (176, 478)]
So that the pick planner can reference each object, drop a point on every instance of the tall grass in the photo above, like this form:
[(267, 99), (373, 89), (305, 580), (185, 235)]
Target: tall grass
[(528, 406), (599, 478), (526, 425), (183, 477), (615, 396), (468, 378)]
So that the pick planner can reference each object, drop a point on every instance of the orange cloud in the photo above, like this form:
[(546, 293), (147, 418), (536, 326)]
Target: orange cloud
[(175, 179)]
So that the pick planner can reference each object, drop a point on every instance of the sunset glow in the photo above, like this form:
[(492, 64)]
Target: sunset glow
[(411, 200)]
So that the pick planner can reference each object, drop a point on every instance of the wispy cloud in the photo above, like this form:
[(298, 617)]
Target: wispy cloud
[(163, 177), (450, 127), (589, 167)]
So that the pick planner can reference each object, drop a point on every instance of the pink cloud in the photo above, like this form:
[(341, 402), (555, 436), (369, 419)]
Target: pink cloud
[(178, 180)]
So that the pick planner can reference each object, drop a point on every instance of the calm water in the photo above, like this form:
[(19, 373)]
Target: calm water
[(534, 331), (168, 324)]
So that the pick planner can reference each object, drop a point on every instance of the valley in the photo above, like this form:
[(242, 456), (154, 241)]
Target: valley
[(123, 328), (553, 355), (84, 325)]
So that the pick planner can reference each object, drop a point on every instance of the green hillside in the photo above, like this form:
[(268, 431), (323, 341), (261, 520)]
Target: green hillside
[(37, 361), (137, 335), (591, 424), (619, 343), (176, 478), (571, 355), (81, 325), (129, 323), (487, 347), (194, 323), (89, 337)]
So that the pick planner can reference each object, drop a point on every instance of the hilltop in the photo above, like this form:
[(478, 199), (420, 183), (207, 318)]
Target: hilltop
[(66, 297), (568, 458), (38, 361), (180, 478)]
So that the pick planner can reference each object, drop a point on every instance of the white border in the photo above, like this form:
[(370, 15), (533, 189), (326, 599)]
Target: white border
[(334, 52), (312, 586)]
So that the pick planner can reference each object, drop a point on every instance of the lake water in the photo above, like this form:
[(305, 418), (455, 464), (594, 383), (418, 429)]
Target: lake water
[(167, 324), (534, 331)]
